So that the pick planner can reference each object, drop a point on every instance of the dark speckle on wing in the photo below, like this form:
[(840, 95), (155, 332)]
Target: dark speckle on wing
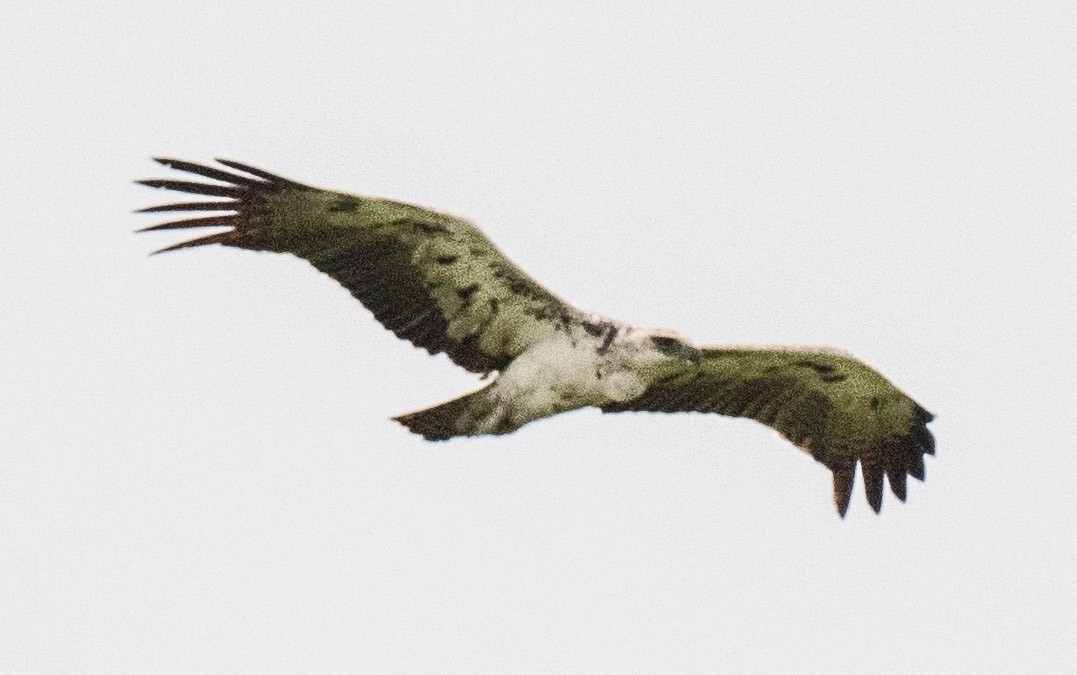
[(604, 329), (515, 285), (594, 329), (343, 204), (607, 340), (826, 372), (820, 368), (429, 228), (466, 292)]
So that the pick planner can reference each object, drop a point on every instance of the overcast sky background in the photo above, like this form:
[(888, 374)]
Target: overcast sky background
[(198, 471)]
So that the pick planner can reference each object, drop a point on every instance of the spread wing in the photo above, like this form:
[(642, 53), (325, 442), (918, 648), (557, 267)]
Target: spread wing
[(429, 277), (829, 404)]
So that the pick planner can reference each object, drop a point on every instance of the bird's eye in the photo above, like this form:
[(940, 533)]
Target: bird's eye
[(666, 344)]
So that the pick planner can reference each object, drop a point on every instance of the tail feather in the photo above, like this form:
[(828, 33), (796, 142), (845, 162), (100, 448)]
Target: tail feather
[(458, 417)]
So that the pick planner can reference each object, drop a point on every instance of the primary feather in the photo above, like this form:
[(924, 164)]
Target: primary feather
[(435, 280)]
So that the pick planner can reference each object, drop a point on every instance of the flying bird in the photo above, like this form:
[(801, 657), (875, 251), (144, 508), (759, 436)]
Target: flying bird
[(435, 280)]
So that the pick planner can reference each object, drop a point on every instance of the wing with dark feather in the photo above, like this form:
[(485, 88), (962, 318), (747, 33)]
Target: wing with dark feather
[(829, 404), (429, 277)]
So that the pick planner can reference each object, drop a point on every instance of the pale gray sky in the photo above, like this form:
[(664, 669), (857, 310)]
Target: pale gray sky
[(198, 471)]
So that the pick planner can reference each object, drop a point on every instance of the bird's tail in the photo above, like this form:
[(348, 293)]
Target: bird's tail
[(470, 415)]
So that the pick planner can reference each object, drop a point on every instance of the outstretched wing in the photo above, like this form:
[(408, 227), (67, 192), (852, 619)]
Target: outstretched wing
[(429, 277), (829, 404)]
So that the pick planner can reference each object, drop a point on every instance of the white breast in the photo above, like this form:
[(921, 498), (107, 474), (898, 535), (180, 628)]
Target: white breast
[(561, 374)]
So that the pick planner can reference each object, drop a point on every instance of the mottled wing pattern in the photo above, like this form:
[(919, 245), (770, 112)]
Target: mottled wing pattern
[(429, 277), (829, 404)]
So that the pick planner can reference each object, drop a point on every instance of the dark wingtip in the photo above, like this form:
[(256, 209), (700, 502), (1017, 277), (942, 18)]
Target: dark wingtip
[(231, 191), (211, 221), (873, 484), (916, 466), (843, 486), (927, 439), (223, 205), (220, 238), (896, 479), (260, 173)]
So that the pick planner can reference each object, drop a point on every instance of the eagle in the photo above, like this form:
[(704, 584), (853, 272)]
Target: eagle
[(438, 282)]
